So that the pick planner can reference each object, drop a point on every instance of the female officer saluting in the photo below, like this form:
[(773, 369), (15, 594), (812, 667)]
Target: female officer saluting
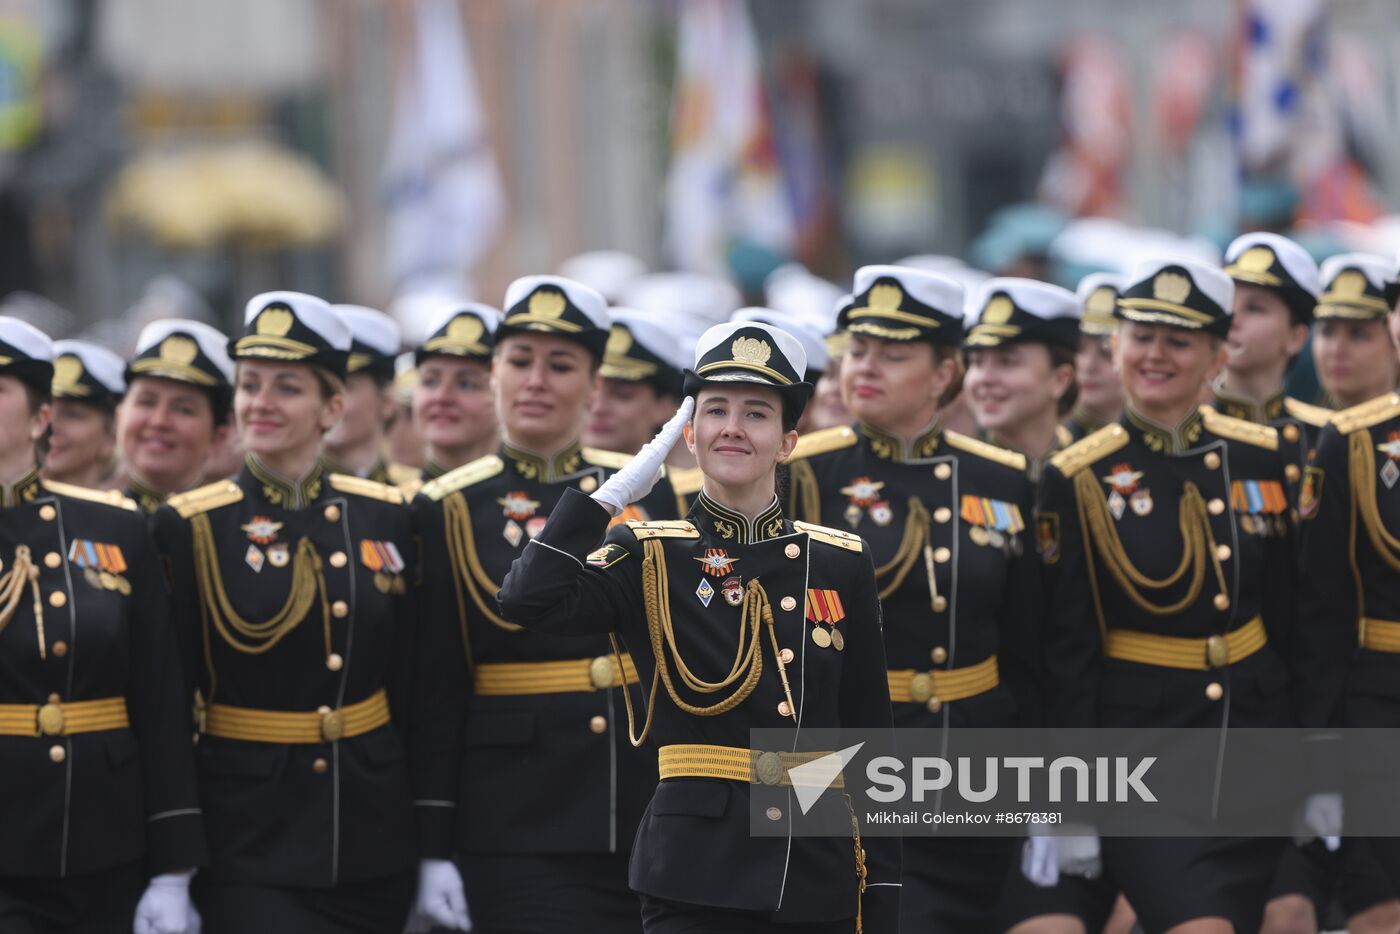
[(753, 621)]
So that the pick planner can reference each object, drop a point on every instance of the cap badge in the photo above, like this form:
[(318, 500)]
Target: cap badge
[(998, 310), (67, 370), (275, 321), (885, 297), (178, 350), (1101, 301), (619, 342), (1171, 287), (751, 350), (1256, 259), (546, 304), (465, 328), (1349, 284)]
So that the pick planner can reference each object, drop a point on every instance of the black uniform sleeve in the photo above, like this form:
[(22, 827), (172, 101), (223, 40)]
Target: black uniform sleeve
[(174, 544), (160, 714), (865, 704), (1020, 623), (1072, 643)]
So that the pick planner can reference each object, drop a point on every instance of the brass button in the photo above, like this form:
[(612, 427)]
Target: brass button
[(1290, 433), (939, 655), (332, 513), (600, 672), (53, 559), (942, 472), (942, 555), (784, 709), (334, 662), (934, 705), (338, 559), (942, 514), (340, 609), (792, 551), (323, 710), (47, 513), (57, 754), (1222, 602), (598, 724), (775, 813), (54, 698), (58, 598), (1217, 652), (1212, 460), (921, 687), (320, 766), (787, 656), (588, 484), (1214, 691), (1222, 552), (768, 768), (940, 603), (788, 603), (1291, 473), (1216, 506), (60, 649)]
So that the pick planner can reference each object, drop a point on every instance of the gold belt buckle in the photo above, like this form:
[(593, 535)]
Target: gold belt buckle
[(769, 768), (332, 725), (51, 720), (600, 672), (1217, 652), (921, 687)]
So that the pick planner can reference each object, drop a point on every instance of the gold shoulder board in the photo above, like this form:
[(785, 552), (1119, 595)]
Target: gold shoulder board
[(110, 497), (1237, 429), (1367, 414), (1063, 436), (846, 540), (669, 528), (483, 468), (410, 488), (1314, 415), (349, 483), (987, 451), (819, 442), (1089, 450), (613, 460), (686, 480), (205, 498)]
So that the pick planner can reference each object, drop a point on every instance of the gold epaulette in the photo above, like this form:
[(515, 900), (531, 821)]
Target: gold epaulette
[(402, 474), (847, 540), (1314, 415), (984, 450), (349, 483), (819, 442), (483, 468), (1063, 436), (1237, 429), (205, 498), (686, 480), (613, 460), (1089, 450), (410, 488), (667, 528), (1367, 414), (110, 497)]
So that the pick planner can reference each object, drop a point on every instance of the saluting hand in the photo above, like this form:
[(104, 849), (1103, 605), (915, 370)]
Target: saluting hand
[(635, 480)]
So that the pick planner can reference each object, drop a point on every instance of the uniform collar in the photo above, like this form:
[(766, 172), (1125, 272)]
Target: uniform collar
[(1161, 439), (146, 497), (725, 523), (284, 492), (532, 466), (894, 448), (379, 472), (25, 490), (1260, 413)]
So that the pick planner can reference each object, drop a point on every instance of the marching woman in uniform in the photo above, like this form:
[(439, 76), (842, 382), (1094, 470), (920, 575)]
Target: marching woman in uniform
[(176, 410), (96, 770), (1020, 366), (1167, 545), (539, 788), (1098, 398), (452, 402), (1352, 347), (292, 586), (947, 520), (752, 620), (357, 444), (87, 388)]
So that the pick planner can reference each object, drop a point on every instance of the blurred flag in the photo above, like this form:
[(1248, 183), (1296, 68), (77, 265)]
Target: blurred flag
[(1084, 177), (1279, 60), (443, 194), (724, 187)]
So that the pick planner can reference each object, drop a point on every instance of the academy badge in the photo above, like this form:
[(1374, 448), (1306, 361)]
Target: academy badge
[(254, 558), (513, 533), (1122, 481), (705, 592), (262, 530), (733, 590), (716, 562), (1390, 473)]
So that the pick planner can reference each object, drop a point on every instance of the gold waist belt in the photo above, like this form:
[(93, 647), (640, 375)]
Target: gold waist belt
[(1190, 654), (918, 687), (1380, 635), (698, 760), (63, 719), (281, 726), (502, 679)]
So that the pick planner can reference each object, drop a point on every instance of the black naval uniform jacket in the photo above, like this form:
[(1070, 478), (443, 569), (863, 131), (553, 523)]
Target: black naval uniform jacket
[(302, 814), (548, 773), (1237, 470), (81, 803), (694, 845), (988, 578), (1297, 423), (1349, 502)]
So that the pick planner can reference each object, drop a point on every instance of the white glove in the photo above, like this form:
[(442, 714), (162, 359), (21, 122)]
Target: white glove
[(1045, 856), (1040, 861), (165, 907), (1322, 816), (636, 479), (441, 900), (1079, 856)]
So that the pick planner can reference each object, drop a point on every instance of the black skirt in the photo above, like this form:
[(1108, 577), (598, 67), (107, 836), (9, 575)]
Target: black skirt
[(377, 906), (954, 884), (660, 916), (550, 894), (94, 903)]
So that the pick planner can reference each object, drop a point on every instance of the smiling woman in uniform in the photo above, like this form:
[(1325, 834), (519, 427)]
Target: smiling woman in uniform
[(87, 388)]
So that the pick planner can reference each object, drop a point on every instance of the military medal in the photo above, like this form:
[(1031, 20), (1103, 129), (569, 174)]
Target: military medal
[(518, 506), (821, 637), (1310, 497), (838, 641), (991, 521), (979, 535), (881, 513), (512, 533), (1123, 482), (102, 564), (853, 515), (705, 592), (535, 526), (863, 492), (254, 558), (278, 555), (733, 591), (1141, 502), (717, 562), (262, 530), (384, 560), (995, 538)]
